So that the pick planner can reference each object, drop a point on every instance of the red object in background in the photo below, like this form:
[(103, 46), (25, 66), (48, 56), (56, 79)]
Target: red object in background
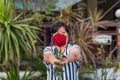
[(59, 40), (118, 39)]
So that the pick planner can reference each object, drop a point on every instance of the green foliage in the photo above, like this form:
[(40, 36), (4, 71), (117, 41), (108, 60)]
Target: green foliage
[(36, 64), (89, 70), (85, 35), (13, 74), (40, 10), (107, 62), (16, 38), (71, 14), (86, 32), (101, 48), (57, 68), (95, 17), (58, 71), (56, 51)]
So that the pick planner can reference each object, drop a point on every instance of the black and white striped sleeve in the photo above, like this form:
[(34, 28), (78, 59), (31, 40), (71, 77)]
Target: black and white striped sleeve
[(47, 50)]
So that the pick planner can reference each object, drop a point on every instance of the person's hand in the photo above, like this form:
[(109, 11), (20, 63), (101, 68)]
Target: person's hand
[(57, 62), (63, 61)]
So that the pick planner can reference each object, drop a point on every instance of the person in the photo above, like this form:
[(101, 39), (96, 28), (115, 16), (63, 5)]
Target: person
[(71, 51)]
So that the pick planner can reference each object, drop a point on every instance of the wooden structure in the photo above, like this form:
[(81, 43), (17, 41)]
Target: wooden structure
[(112, 28)]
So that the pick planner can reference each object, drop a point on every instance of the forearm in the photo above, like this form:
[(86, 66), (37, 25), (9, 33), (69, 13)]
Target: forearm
[(50, 58), (73, 57)]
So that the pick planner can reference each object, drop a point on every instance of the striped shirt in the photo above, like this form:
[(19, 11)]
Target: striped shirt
[(70, 70)]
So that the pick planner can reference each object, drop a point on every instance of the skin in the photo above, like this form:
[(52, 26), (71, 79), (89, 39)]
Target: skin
[(73, 56)]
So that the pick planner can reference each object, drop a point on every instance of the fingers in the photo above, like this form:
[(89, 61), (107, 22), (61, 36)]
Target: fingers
[(64, 61)]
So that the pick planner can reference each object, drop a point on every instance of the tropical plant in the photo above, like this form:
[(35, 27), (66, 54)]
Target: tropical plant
[(106, 72), (38, 66), (36, 63), (86, 32), (95, 17), (85, 35), (102, 73), (16, 38), (72, 14), (86, 70), (13, 74), (38, 8), (93, 22)]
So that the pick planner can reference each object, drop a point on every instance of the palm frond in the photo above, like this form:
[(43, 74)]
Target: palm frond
[(95, 16), (16, 37), (84, 40)]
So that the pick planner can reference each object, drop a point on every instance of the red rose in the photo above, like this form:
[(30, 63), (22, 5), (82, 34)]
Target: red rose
[(59, 40)]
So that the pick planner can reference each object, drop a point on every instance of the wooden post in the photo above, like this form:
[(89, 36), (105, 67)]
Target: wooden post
[(92, 4)]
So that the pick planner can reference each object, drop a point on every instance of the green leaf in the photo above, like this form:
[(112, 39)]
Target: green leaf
[(56, 53), (24, 20), (58, 72), (58, 64)]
